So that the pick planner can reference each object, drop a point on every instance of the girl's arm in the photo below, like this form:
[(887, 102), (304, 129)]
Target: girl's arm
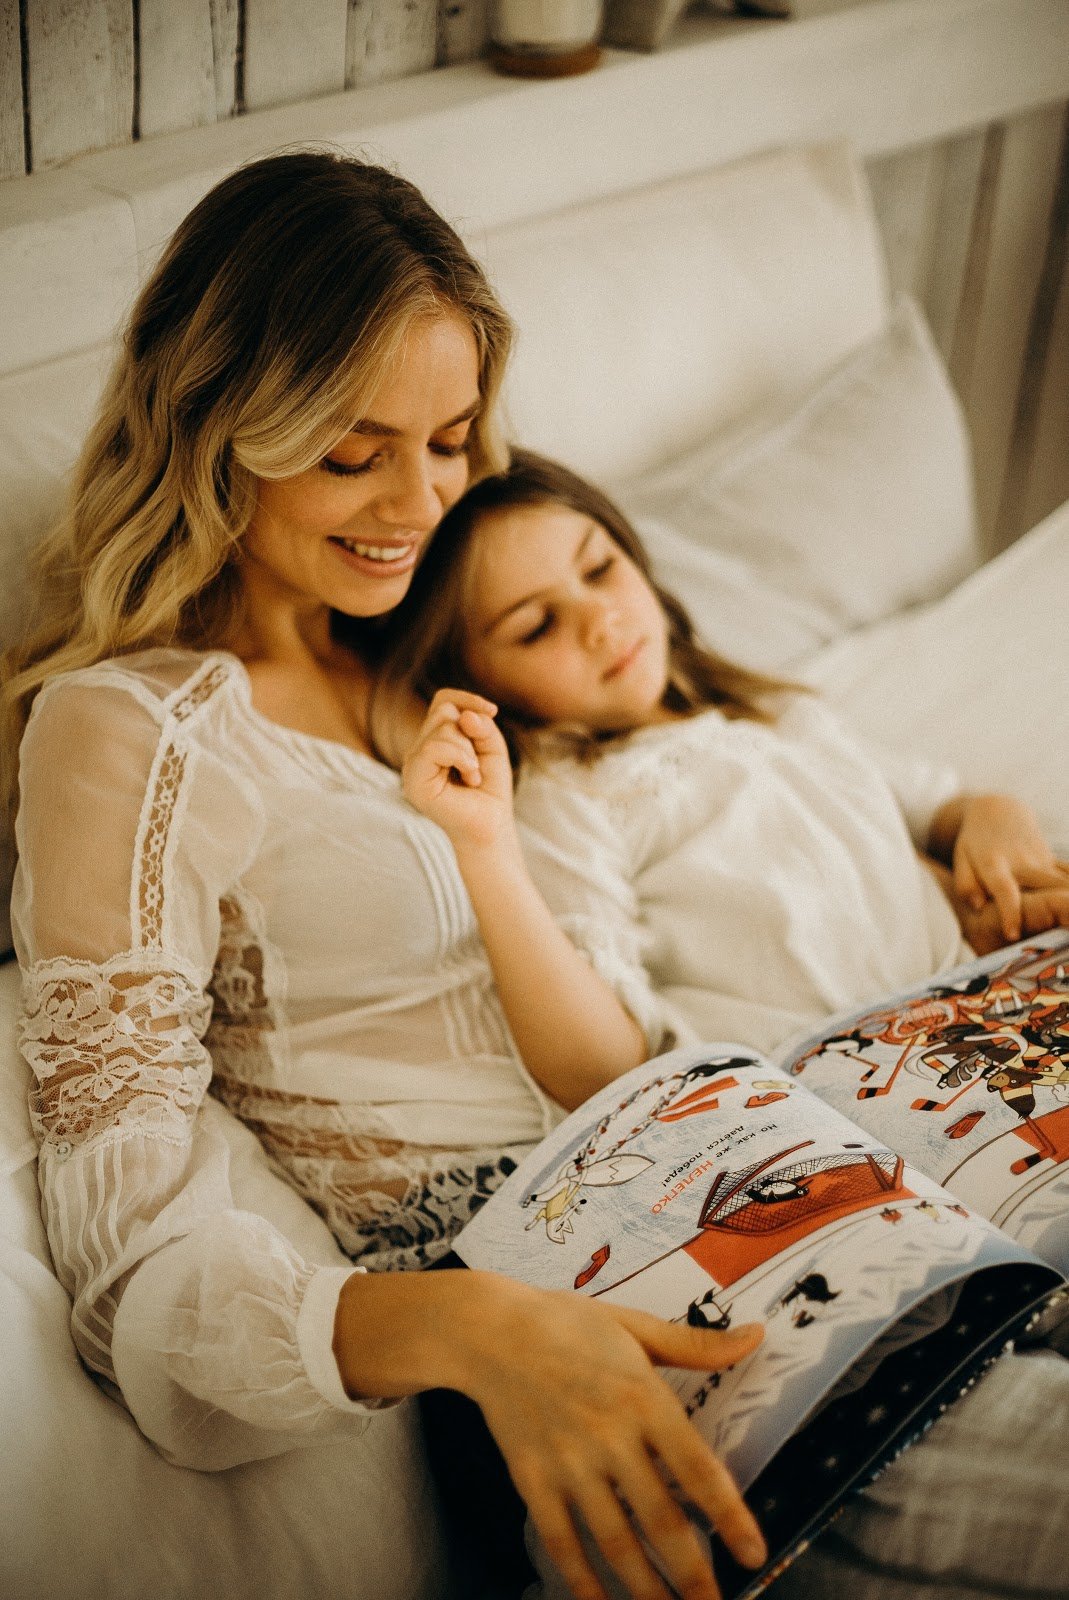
[(995, 849), (573, 1033)]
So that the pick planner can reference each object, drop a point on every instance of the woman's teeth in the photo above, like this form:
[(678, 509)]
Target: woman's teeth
[(375, 552)]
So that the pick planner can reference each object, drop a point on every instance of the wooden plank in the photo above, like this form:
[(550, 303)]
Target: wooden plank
[(387, 40), (904, 192), (177, 81), (463, 28), (12, 111), (955, 210), (293, 52), (80, 58), (226, 29), (1004, 276), (1038, 477)]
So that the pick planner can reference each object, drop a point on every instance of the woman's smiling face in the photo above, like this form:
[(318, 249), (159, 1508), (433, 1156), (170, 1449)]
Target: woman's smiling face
[(348, 532), (560, 624)]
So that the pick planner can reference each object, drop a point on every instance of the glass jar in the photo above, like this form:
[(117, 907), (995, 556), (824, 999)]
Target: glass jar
[(545, 38)]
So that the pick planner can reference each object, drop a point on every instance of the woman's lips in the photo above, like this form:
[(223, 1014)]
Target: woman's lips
[(629, 657), (377, 565)]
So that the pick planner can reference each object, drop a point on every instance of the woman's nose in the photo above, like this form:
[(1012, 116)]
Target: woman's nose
[(412, 499)]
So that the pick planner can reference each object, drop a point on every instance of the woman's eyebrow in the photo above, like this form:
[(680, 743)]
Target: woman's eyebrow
[(383, 430), (517, 605)]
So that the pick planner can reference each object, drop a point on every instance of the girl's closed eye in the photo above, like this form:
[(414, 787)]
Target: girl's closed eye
[(539, 631), (602, 570)]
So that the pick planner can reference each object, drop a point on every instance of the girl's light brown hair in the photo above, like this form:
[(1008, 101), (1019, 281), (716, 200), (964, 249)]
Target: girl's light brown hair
[(425, 638), (272, 318)]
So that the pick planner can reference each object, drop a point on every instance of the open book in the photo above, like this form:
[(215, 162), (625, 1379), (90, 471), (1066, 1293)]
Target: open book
[(890, 1197)]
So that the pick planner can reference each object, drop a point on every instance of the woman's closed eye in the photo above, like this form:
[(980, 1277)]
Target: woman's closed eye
[(602, 570), (447, 448), (351, 469)]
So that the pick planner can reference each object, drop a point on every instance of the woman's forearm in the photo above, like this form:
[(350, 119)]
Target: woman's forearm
[(571, 1029)]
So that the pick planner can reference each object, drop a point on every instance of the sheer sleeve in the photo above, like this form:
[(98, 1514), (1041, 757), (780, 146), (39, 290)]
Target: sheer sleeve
[(215, 1332), (579, 861)]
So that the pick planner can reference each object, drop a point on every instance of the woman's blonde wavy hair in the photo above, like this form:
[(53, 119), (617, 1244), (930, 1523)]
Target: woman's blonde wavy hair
[(273, 316)]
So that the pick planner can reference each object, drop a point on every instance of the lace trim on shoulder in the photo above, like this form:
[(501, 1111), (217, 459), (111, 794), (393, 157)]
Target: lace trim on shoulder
[(162, 799), (114, 1048)]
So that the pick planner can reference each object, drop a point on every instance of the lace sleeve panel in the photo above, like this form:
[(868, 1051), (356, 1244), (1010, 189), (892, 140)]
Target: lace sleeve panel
[(129, 835), (580, 861)]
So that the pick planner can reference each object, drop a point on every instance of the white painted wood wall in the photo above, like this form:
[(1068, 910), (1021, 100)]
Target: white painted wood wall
[(976, 227)]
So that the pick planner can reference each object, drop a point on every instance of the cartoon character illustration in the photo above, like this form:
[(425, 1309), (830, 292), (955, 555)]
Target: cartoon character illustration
[(814, 1289), (707, 1312), (604, 1161), (557, 1203), (1007, 1028)]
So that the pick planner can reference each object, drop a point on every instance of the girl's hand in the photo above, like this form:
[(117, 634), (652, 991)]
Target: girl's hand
[(586, 1425), (1000, 851), (1041, 910), (458, 772)]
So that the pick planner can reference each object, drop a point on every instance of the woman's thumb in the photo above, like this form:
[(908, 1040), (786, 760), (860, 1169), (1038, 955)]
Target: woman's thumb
[(677, 1344)]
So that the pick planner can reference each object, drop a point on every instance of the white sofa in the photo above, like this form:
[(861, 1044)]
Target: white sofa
[(722, 349)]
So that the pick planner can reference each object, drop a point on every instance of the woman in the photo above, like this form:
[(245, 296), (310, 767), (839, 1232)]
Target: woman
[(218, 881)]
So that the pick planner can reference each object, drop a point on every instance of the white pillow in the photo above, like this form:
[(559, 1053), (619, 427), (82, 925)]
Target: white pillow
[(650, 319), (734, 612), (978, 679), (854, 503)]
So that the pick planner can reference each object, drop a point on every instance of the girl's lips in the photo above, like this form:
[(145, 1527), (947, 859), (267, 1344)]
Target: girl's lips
[(407, 554), (622, 663)]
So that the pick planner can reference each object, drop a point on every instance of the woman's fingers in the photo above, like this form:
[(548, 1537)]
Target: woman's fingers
[(612, 1531), (551, 1516), (709, 1486)]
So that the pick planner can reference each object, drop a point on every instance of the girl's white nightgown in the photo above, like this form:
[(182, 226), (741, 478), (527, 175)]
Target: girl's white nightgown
[(767, 873)]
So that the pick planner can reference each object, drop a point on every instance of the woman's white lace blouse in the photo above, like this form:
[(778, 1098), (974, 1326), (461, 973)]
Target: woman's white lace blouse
[(204, 897)]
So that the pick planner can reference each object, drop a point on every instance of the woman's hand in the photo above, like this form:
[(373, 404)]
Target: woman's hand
[(586, 1425), (458, 772), (996, 850), (569, 1388)]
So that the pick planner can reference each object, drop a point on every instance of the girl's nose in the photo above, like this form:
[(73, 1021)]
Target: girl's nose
[(411, 499), (599, 622)]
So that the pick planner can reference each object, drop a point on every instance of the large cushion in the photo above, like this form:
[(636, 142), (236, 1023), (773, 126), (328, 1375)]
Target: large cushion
[(844, 506), (650, 320), (977, 679)]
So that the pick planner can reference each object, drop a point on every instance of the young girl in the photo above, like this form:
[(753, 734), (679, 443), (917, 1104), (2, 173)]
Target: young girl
[(735, 866), (719, 825)]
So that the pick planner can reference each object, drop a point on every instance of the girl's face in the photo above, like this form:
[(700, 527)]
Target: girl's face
[(561, 625), (347, 533)]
